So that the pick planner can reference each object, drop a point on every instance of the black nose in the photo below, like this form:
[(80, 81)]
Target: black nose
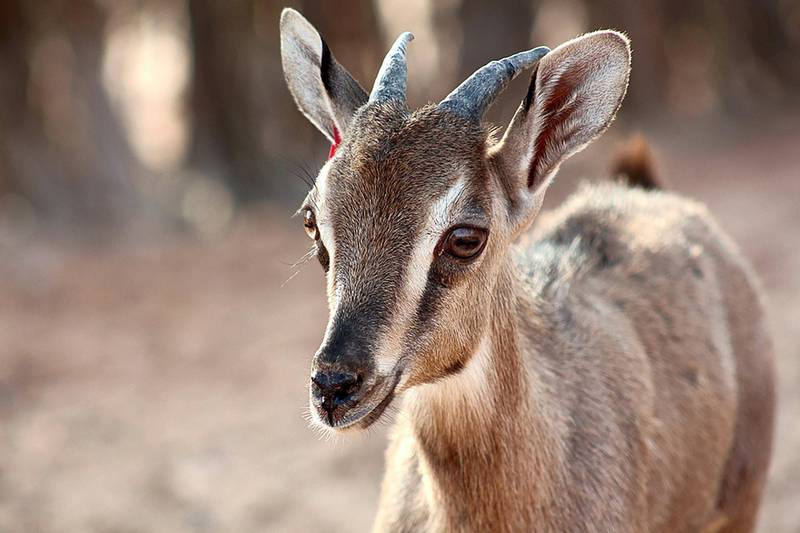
[(335, 389)]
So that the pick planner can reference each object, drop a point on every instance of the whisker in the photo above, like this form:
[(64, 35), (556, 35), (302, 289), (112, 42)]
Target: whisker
[(298, 170), (299, 264), (303, 258)]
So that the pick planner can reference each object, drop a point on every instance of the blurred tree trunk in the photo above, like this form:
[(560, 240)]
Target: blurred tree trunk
[(490, 31), (737, 53), (61, 146), (226, 107), (754, 58), (14, 73), (245, 123)]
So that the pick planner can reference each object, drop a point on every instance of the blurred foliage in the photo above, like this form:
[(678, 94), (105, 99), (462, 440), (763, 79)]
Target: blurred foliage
[(114, 112)]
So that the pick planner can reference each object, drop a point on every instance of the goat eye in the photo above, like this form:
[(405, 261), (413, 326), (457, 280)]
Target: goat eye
[(310, 224), (465, 242)]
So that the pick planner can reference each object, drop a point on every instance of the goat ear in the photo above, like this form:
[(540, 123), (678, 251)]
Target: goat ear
[(574, 94), (323, 89)]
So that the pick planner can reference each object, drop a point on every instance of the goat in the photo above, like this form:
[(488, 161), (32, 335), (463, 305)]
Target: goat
[(608, 370)]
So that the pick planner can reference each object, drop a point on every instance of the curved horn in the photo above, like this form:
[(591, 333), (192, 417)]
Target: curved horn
[(474, 96), (391, 81)]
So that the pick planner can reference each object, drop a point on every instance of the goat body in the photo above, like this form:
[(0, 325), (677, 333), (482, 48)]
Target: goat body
[(608, 370)]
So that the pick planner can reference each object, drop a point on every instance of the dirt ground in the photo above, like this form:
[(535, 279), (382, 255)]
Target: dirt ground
[(159, 385)]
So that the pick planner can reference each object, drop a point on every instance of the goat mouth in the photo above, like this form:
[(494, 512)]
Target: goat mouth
[(367, 412)]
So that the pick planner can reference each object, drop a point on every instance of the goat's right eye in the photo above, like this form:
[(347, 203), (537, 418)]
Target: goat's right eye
[(465, 242), (310, 224)]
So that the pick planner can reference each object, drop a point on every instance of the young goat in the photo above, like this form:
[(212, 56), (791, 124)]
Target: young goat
[(610, 373)]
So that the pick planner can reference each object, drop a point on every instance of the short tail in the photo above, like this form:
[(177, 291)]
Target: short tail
[(633, 165)]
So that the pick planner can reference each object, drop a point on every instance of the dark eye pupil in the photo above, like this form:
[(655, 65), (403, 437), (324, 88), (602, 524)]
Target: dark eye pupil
[(465, 243)]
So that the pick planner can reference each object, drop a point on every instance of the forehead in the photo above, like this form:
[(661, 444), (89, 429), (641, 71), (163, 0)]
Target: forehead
[(398, 163)]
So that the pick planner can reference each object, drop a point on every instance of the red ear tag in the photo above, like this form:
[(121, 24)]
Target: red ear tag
[(336, 140)]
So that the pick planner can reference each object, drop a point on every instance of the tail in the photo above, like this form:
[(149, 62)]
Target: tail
[(633, 164)]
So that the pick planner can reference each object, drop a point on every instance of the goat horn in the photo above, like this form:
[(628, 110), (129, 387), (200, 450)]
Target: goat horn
[(473, 97), (391, 81)]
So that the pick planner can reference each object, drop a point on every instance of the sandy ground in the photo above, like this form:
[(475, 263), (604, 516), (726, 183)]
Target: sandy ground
[(161, 386)]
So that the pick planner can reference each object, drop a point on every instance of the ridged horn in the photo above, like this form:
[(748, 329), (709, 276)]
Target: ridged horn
[(390, 84), (473, 97)]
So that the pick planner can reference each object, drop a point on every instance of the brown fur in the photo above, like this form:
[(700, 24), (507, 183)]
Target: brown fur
[(609, 370)]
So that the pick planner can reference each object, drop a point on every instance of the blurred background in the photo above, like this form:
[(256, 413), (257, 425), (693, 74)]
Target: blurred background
[(156, 326)]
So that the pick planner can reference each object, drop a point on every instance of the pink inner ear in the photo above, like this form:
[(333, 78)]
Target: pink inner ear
[(336, 140)]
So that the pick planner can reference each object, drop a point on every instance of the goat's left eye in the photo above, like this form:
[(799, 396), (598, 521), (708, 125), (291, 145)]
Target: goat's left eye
[(465, 242), (310, 224)]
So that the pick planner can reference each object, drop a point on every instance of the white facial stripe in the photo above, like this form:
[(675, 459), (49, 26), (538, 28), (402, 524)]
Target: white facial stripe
[(325, 228), (321, 192), (416, 277), (438, 221), (323, 220)]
